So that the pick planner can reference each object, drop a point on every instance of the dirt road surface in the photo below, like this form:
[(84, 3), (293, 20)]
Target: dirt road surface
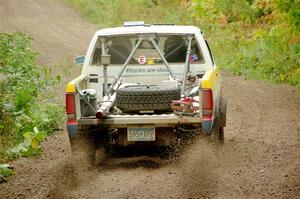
[(259, 159), (59, 33)]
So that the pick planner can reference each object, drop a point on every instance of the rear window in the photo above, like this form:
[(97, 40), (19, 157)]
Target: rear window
[(173, 48)]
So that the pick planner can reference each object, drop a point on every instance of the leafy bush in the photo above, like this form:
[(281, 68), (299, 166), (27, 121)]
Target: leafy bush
[(292, 8), (234, 10), (258, 56), (5, 170), (27, 107), (262, 47)]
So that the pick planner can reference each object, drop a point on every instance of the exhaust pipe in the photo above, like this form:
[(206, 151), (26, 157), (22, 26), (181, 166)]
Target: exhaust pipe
[(109, 102), (104, 108)]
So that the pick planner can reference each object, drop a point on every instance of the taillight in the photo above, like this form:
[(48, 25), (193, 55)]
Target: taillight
[(207, 102), (70, 106)]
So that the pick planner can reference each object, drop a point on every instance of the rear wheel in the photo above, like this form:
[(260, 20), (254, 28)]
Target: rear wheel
[(217, 132)]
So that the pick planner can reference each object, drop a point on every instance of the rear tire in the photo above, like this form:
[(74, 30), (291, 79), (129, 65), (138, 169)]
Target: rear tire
[(217, 132), (221, 134)]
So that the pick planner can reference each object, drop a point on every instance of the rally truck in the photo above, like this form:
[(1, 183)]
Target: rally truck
[(145, 85)]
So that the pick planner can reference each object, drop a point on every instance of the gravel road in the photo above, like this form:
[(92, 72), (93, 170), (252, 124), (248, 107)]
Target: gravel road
[(259, 159)]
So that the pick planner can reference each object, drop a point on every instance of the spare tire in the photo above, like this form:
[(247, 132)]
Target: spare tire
[(146, 97)]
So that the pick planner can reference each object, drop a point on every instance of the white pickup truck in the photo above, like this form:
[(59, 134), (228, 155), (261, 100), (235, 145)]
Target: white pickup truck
[(144, 85)]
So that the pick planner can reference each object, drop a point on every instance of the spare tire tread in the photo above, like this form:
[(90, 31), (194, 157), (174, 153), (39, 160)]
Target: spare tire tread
[(158, 98)]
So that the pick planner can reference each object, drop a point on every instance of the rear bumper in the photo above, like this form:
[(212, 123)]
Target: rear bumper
[(161, 120), (158, 120)]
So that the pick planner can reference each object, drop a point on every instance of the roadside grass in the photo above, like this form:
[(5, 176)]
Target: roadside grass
[(256, 39), (29, 110)]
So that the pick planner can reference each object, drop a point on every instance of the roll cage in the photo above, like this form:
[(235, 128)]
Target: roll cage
[(106, 49)]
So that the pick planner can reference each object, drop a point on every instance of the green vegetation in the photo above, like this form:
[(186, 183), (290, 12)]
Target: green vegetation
[(255, 38), (28, 107), (114, 12), (6, 170)]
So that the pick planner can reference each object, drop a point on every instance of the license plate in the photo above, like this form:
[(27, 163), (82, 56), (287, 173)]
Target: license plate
[(141, 134)]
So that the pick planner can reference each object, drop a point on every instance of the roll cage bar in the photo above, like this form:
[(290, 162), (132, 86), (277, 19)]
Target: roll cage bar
[(108, 90)]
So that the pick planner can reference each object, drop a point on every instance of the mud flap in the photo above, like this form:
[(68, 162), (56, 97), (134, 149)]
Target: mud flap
[(206, 125), (72, 130)]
